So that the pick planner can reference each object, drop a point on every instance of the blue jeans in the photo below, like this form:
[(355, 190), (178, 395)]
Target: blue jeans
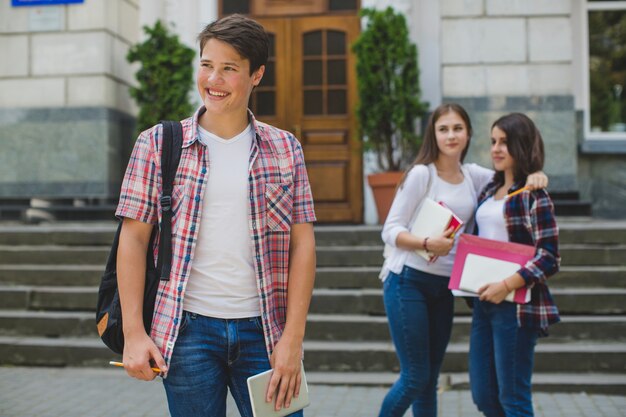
[(501, 361), (210, 356), (419, 309)]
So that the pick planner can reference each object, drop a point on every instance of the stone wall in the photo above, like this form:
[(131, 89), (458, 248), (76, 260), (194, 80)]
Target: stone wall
[(66, 117), (514, 56)]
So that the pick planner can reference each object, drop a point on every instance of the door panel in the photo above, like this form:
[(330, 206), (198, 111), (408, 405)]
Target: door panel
[(323, 109), (268, 99), (287, 7), (315, 99)]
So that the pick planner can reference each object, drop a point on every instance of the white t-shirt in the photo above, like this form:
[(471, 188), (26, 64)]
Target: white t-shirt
[(222, 282), (460, 199), (490, 220)]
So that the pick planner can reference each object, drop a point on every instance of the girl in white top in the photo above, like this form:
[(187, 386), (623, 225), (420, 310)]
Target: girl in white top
[(418, 304)]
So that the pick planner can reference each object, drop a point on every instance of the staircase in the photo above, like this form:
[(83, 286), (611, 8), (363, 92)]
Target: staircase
[(49, 275)]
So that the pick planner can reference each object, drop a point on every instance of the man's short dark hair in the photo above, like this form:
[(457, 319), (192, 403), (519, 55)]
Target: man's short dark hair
[(247, 36)]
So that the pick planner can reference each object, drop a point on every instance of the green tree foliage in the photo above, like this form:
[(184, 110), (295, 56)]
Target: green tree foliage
[(388, 85), (165, 77)]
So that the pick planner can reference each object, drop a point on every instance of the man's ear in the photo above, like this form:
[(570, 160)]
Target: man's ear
[(258, 75)]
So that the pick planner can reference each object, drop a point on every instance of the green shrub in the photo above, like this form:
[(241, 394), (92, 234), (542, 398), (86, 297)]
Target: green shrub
[(165, 77), (388, 86)]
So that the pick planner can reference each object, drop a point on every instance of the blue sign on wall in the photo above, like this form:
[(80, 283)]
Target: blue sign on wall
[(16, 3)]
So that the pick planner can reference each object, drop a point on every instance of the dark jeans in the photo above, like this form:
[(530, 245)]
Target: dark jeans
[(210, 356), (501, 361), (419, 308)]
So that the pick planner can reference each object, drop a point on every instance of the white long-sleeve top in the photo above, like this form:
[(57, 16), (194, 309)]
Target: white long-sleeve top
[(460, 198)]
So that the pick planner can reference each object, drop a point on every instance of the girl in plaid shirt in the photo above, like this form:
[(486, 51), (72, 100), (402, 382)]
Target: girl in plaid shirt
[(504, 334)]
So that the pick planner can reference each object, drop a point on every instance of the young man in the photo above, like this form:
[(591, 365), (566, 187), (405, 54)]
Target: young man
[(243, 258)]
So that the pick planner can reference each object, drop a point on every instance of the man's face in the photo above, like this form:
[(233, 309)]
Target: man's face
[(224, 80)]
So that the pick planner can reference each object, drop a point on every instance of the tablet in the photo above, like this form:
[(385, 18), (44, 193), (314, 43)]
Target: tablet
[(257, 388)]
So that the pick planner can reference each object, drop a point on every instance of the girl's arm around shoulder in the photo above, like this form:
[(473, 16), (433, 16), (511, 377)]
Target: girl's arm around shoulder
[(408, 197), (480, 176)]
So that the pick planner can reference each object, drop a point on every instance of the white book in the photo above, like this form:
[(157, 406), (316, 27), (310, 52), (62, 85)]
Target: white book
[(481, 270), (433, 219), (257, 388)]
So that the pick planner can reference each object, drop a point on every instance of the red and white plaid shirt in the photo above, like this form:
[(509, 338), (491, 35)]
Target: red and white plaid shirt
[(280, 195)]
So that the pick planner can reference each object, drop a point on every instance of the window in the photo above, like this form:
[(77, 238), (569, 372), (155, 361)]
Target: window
[(605, 117), (324, 72)]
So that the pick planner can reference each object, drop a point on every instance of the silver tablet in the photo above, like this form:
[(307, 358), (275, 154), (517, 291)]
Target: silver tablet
[(257, 388)]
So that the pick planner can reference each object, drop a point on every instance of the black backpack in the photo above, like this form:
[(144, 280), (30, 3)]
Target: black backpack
[(108, 309)]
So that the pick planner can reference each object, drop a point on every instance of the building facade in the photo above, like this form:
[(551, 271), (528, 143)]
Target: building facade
[(67, 120)]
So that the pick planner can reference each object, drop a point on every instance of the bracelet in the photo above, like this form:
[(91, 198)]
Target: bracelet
[(425, 244), (506, 286)]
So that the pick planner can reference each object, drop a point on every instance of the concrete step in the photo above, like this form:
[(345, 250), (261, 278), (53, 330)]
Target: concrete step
[(50, 324), (608, 384), (322, 327), (370, 302), (49, 298), (71, 234), (592, 255), (346, 327), (54, 255), (51, 275), (324, 356), (326, 277), (325, 301), (573, 255), (88, 233), (568, 276), (380, 356)]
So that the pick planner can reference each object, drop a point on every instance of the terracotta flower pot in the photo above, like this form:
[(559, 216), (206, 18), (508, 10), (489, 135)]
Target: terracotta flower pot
[(384, 189)]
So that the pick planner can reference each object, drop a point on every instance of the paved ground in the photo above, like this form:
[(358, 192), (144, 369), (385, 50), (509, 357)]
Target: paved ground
[(80, 392)]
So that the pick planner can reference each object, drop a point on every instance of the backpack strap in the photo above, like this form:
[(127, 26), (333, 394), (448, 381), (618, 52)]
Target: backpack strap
[(170, 157)]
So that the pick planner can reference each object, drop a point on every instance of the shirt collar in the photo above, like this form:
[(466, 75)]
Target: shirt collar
[(193, 135)]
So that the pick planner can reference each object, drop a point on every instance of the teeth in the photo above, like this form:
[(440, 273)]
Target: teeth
[(217, 94)]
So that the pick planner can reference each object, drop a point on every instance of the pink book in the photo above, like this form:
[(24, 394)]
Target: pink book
[(481, 261)]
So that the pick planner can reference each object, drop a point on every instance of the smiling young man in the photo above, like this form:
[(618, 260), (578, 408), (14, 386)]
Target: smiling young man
[(243, 258)]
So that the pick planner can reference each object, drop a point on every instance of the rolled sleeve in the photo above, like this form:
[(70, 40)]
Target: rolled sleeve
[(303, 208), (139, 194)]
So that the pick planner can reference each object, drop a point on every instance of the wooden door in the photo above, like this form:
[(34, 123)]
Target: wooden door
[(310, 90)]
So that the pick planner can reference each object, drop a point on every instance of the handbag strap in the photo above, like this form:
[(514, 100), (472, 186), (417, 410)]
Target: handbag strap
[(170, 157)]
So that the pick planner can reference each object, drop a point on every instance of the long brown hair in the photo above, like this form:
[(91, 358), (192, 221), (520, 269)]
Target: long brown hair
[(524, 143), (429, 151)]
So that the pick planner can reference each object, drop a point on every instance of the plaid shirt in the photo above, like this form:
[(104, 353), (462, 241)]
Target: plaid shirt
[(280, 196), (529, 218)]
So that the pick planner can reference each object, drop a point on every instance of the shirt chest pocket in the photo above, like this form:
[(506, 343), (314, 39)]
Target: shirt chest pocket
[(279, 205)]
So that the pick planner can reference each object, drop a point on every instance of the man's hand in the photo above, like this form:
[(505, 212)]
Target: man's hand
[(139, 354), (286, 376)]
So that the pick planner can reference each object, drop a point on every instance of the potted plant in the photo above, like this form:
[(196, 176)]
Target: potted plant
[(389, 99)]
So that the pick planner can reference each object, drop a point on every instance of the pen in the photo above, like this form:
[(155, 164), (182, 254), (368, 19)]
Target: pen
[(517, 192), (157, 370)]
